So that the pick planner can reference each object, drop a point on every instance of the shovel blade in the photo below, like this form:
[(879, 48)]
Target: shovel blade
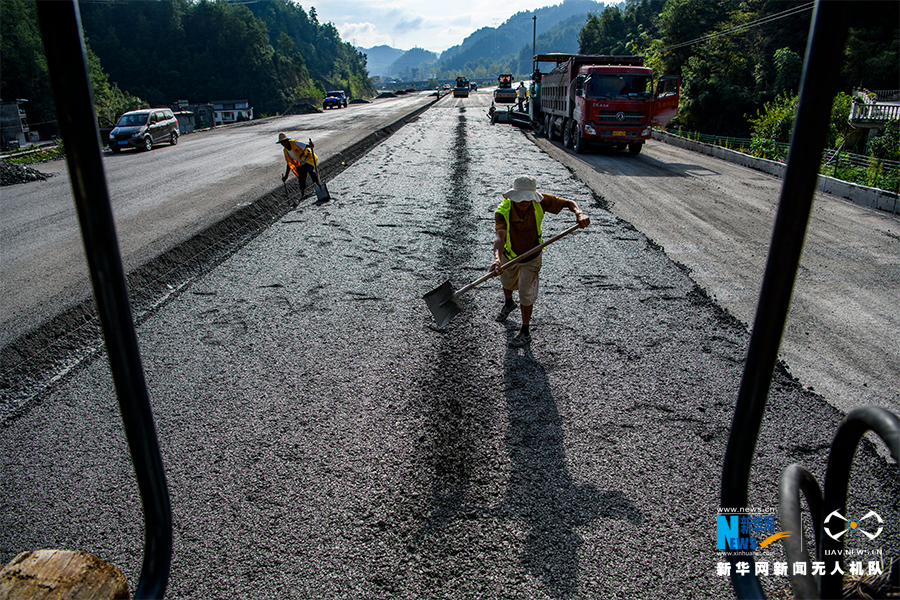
[(322, 193), (441, 304)]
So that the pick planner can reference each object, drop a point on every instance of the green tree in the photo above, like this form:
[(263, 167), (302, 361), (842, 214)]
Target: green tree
[(271, 53), (789, 67), (621, 31), (872, 53), (606, 34), (725, 52), (25, 73), (839, 124), (109, 101), (776, 120), (682, 21), (23, 68), (886, 145)]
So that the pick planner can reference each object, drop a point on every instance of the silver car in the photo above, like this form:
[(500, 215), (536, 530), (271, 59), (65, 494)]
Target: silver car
[(143, 129)]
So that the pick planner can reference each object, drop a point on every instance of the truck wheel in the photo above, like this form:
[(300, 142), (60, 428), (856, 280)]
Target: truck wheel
[(578, 141), (567, 133), (548, 124), (634, 148)]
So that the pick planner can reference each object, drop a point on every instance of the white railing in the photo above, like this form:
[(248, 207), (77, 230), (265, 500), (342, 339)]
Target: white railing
[(875, 112), (879, 106)]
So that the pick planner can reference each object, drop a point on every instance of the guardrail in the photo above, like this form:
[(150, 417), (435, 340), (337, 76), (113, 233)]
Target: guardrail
[(875, 111), (847, 166)]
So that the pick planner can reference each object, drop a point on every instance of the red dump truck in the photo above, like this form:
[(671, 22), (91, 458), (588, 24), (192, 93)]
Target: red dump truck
[(604, 100)]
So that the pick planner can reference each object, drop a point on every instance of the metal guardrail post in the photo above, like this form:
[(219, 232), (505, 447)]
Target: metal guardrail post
[(60, 24), (824, 50)]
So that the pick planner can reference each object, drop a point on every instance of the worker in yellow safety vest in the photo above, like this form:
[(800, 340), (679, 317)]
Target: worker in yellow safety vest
[(517, 227), (300, 159)]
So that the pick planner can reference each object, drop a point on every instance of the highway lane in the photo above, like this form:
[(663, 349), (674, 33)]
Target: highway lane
[(716, 218), (322, 439), (160, 199)]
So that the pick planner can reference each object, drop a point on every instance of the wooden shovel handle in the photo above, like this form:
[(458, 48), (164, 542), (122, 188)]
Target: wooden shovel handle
[(516, 260), (315, 162)]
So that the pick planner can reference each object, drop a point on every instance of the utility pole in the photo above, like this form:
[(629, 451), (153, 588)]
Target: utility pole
[(533, 41)]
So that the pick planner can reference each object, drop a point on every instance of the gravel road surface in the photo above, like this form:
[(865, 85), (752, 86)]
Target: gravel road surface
[(323, 439), (160, 199)]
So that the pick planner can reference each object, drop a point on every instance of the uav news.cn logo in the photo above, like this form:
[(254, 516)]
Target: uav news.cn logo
[(842, 525), (743, 532)]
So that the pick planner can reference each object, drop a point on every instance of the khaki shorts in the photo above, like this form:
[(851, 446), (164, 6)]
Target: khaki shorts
[(523, 277)]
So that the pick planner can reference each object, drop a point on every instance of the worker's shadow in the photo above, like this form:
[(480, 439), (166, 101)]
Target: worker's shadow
[(540, 491)]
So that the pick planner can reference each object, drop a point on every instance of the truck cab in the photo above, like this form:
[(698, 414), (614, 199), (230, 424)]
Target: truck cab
[(620, 105)]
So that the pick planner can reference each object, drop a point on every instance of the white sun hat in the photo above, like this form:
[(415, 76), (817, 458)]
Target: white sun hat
[(524, 189)]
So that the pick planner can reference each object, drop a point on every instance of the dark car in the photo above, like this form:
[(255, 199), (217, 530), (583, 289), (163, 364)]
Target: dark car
[(143, 129), (335, 99)]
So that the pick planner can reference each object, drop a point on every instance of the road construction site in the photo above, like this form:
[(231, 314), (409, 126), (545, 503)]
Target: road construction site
[(324, 439)]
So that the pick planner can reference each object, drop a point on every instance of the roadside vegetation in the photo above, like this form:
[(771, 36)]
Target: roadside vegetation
[(741, 65), (140, 54), (35, 154), (740, 62)]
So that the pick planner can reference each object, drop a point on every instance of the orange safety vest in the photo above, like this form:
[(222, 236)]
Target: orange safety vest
[(299, 154)]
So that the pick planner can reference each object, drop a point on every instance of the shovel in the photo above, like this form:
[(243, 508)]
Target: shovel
[(321, 190), (442, 300), (286, 195)]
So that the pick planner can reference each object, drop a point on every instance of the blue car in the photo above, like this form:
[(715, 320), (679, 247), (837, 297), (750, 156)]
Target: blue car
[(335, 99)]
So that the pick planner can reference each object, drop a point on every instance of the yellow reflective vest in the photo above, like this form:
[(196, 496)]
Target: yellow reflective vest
[(504, 208)]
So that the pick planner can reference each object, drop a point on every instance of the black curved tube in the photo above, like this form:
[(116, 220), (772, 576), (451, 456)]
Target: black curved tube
[(60, 24), (824, 51), (837, 477), (795, 479)]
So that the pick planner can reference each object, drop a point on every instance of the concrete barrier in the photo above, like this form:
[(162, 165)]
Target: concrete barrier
[(860, 194)]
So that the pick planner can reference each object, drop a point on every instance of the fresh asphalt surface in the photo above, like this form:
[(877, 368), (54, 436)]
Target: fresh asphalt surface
[(323, 439)]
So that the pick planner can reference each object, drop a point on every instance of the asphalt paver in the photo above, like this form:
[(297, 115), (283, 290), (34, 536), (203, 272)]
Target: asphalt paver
[(324, 439)]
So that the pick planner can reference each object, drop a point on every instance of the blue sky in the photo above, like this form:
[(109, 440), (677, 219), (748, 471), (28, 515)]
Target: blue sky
[(434, 25)]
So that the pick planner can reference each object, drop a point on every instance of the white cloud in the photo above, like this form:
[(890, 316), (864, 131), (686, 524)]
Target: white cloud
[(406, 24), (363, 34)]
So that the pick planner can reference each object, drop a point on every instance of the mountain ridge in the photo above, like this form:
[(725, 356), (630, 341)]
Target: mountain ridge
[(500, 47)]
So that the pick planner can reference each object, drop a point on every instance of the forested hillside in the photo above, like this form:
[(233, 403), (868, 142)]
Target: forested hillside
[(413, 59), (153, 53), (740, 62), (380, 58), (490, 51), (735, 57)]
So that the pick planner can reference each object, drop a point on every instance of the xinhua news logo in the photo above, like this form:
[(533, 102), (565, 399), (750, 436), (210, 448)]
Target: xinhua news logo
[(746, 532)]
